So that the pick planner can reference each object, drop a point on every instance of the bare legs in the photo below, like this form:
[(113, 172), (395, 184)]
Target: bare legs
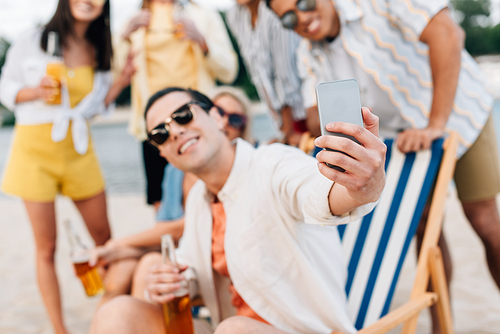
[(118, 279), (43, 221), (126, 315), (484, 218), (95, 216)]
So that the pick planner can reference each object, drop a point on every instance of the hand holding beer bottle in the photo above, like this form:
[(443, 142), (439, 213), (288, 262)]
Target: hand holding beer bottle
[(168, 287), (47, 89), (80, 256)]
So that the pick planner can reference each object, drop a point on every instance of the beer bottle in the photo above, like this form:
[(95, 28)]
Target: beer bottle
[(55, 66), (80, 256), (177, 313)]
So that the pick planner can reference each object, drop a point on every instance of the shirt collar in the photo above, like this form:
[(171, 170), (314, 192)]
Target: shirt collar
[(242, 160)]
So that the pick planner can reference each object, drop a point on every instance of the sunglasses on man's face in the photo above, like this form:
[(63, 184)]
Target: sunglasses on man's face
[(290, 19), (235, 120), (183, 115)]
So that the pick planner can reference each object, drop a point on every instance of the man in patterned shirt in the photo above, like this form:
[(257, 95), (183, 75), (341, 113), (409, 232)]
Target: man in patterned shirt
[(408, 59)]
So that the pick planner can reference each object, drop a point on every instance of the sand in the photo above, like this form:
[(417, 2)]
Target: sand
[(476, 300)]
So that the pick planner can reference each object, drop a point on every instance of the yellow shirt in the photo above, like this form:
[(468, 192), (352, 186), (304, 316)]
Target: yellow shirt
[(170, 61), (80, 81)]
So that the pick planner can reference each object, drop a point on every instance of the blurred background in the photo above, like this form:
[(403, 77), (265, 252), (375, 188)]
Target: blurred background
[(120, 157)]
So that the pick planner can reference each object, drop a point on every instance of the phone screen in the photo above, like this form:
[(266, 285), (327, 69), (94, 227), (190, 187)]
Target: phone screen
[(339, 101)]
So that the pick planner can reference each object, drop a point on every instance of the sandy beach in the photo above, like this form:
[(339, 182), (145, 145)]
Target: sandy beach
[(476, 300)]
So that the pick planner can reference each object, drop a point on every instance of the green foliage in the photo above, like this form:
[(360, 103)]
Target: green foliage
[(480, 39), (471, 10)]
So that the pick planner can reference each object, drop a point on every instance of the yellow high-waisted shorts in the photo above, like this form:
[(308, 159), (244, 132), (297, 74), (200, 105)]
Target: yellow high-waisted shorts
[(38, 168)]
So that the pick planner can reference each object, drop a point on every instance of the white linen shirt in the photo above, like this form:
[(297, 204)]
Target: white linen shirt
[(285, 266), (382, 36), (25, 66)]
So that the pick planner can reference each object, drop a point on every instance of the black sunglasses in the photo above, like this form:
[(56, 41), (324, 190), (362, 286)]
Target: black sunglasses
[(235, 120), (183, 115), (289, 20)]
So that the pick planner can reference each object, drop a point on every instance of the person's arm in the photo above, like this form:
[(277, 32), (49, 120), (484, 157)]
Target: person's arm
[(13, 86), (287, 83), (446, 41), (42, 92), (291, 136), (185, 29), (136, 245), (140, 20), (220, 58), (122, 81), (364, 176), (313, 124)]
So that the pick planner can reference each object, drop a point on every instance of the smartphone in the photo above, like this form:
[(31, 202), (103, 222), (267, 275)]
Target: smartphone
[(338, 101)]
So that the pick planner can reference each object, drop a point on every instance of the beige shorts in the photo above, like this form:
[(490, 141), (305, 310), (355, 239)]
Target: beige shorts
[(477, 173)]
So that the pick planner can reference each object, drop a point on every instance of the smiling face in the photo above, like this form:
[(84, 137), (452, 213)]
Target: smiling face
[(192, 147), (86, 10), (319, 24)]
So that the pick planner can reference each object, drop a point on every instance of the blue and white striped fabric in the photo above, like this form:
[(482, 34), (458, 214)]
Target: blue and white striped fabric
[(376, 245)]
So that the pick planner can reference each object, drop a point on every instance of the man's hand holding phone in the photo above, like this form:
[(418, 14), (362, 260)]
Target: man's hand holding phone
[(364, 175)]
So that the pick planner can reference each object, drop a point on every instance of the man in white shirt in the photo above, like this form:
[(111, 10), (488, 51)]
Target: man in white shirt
[(283, 263)]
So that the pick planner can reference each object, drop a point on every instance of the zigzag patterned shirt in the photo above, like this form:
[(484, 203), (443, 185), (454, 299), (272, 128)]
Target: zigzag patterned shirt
[(382, 38)]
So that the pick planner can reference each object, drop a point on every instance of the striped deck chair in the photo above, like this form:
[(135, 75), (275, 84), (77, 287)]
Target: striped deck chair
[(376, 245)]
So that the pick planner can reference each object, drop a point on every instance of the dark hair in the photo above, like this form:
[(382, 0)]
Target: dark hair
[(268, 3), (195, 95), (98, 32)]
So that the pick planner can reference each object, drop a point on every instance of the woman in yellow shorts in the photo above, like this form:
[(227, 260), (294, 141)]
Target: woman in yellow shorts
[(52, 151)]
